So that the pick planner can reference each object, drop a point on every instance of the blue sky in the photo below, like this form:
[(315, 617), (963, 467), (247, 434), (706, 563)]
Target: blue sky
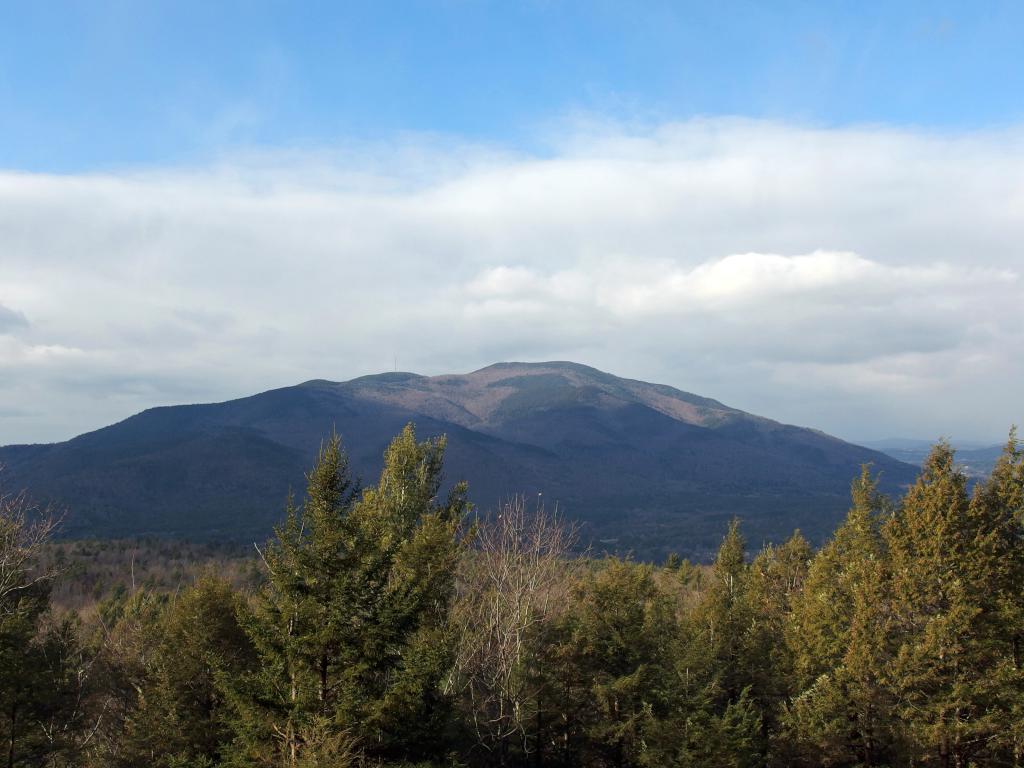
[(100, 85), (813, 211)]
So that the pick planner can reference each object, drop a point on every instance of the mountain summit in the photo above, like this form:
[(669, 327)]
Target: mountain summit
[(644, 467)]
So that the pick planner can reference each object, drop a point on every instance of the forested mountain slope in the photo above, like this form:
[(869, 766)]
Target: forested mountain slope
[(644, 467)]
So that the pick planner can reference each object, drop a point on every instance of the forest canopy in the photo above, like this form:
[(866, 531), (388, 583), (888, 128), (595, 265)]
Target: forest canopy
[(387, 626)]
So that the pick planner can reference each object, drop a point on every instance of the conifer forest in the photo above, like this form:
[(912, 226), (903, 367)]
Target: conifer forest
[(387, 625)]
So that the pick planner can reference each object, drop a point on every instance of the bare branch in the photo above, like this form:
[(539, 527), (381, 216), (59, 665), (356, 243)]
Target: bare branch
[(24, 531), (513, 584)]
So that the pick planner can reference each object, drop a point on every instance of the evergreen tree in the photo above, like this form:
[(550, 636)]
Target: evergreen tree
[(350, 631), (998, 506), (124, 646), (731, 738), (290, 622), (722, 619), (777, 577), (36, 654), (839, 636), (621, 637), (23, 693), (182, 717), (942, 585), (722, 718)]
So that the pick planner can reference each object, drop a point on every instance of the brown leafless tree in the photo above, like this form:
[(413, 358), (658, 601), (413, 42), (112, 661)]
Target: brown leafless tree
[(24, 531), (513, 585)]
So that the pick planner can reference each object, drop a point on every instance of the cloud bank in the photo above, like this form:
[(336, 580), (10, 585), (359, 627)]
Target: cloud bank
[(864, 281)]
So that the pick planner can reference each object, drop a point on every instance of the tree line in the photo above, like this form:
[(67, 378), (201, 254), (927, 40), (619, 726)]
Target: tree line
[(394, 627)]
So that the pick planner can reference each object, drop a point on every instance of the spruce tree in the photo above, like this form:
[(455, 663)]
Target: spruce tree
[(621, 640), (722, 719), (182, 717), (37, 655), (839, 636), (127, 643), (23, 693), (998, 506), (722, 620), (943, 575), (777, 577), (279, 703), (350, 631)]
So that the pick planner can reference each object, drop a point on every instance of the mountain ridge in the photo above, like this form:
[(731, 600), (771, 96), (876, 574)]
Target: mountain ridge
[(648, 466)]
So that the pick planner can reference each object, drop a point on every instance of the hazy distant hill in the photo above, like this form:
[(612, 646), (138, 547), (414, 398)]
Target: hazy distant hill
[(976, 460), (643, 466)]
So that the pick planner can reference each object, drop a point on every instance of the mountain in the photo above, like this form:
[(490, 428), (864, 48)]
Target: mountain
[(643, 467), (976, 460)]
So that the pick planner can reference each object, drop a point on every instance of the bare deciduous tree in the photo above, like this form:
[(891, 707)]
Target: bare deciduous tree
[(512, 587), (23, 534)]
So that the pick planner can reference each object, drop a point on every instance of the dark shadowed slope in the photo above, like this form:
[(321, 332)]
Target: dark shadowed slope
[(645, 467)]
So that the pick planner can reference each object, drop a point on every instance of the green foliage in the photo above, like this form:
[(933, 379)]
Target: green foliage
[(34, 672), (619, 646), (182, 718), (349, 632), (731, 738), (840, 639), (899, 643), (23, 699), (942, 569), (721, 623)]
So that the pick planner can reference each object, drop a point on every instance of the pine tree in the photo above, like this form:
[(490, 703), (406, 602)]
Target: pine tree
[(22, 692), (723, 618), (720, 665), (942, 586), (350, 631), (840, 640), (621, 642), (35, 652), (998, 506), (777, 577), (125, 645), (291, 620), (182, 717)]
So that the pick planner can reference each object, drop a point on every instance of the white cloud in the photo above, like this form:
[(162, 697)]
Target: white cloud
[(631, 287), (15, 354), (866, 281)]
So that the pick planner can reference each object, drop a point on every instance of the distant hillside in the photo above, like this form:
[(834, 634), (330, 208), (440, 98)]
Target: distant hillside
[(976, 461), (643, 466)]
